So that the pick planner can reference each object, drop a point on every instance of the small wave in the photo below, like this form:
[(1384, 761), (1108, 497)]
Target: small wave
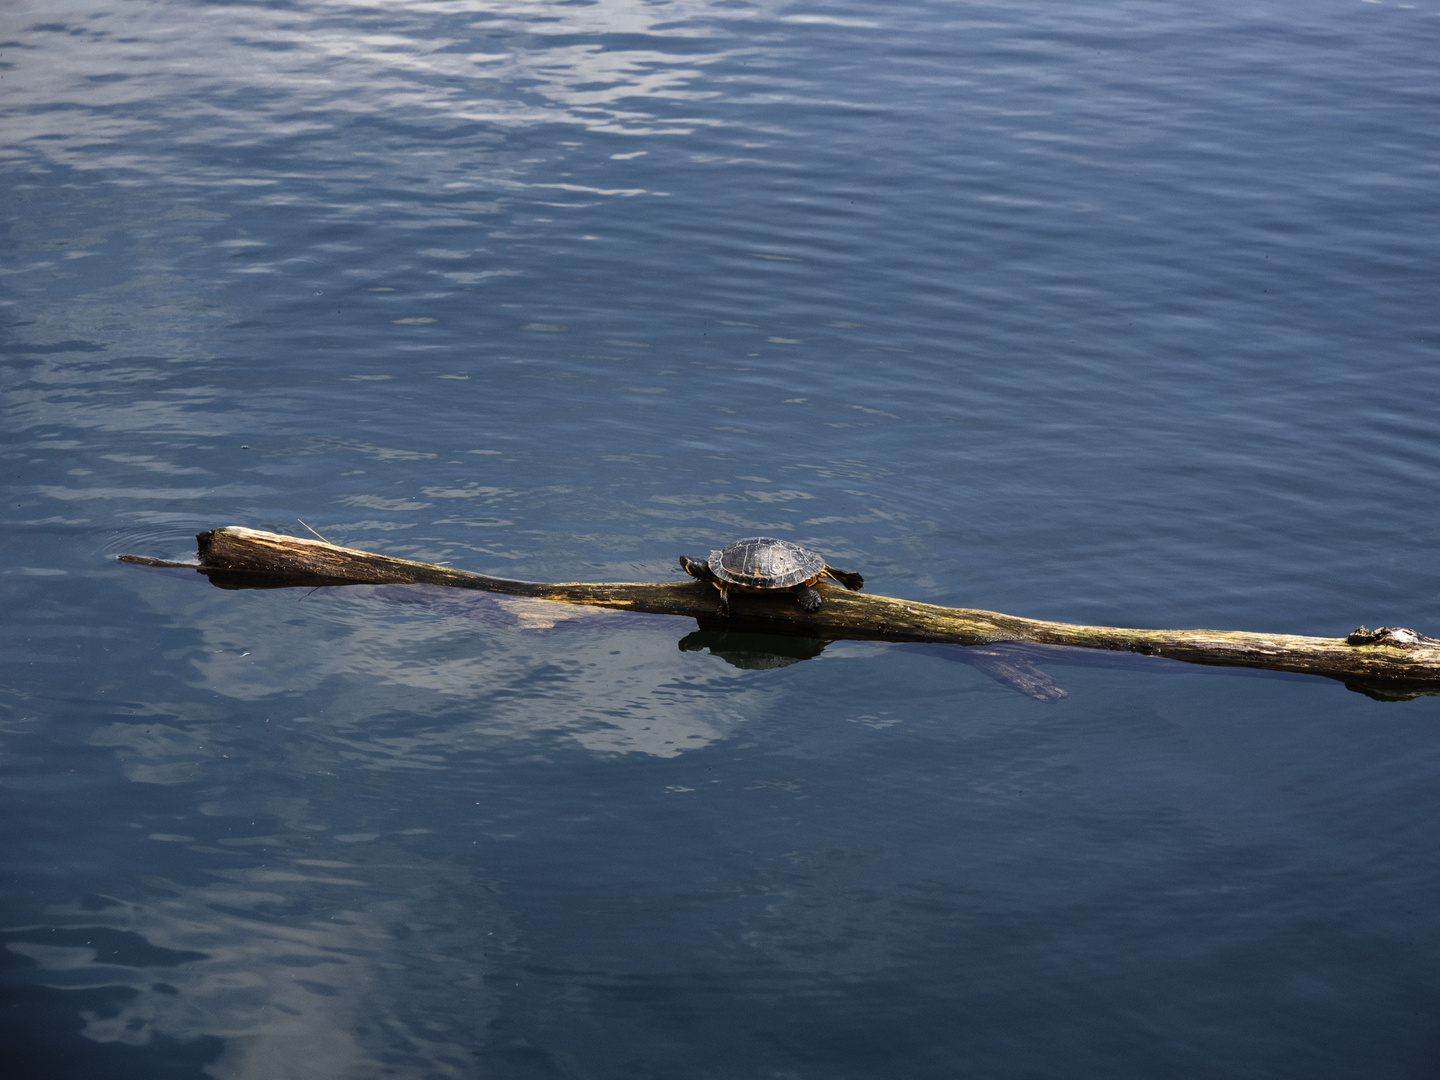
[(163, 536)]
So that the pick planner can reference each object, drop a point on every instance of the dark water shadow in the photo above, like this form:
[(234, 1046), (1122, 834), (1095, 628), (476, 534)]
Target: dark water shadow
[(753, 651)]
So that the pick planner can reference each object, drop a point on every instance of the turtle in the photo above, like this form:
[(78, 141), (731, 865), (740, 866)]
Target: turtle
[(762, 563)]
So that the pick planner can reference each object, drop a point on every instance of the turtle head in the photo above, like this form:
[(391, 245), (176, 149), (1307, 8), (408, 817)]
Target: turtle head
[(696, 568)]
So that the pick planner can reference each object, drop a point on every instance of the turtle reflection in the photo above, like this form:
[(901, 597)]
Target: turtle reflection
[(755, 651)]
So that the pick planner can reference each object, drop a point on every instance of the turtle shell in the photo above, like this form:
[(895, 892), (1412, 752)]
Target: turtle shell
[(762, 562)]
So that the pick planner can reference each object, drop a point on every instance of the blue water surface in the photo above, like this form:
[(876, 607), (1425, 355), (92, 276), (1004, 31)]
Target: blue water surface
[(1115, 313)]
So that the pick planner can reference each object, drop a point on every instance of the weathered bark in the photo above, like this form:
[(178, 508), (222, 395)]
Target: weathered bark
[(1389, 662)]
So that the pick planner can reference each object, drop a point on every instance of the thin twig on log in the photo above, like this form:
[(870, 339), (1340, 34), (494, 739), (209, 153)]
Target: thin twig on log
[(1391, 662)]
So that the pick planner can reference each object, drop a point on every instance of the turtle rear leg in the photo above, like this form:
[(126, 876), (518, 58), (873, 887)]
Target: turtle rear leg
[(806, 597), (853, 582)]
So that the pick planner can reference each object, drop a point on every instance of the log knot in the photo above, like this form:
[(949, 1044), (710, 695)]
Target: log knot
[(1388, 635)]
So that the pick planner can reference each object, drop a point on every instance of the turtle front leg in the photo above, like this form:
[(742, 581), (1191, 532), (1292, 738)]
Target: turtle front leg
[(806, 597), (701, 572)]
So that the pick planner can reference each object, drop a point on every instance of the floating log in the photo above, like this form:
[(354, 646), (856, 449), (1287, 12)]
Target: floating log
[(1390, 663)]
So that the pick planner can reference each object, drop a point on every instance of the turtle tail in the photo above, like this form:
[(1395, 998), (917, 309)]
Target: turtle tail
[(853, 582)]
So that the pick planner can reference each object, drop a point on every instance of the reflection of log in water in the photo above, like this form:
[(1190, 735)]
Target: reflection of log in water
[(746, 650), (1389, 663), (753, 651)]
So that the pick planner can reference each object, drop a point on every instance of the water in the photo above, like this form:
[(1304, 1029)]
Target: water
[(1120, 314)]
